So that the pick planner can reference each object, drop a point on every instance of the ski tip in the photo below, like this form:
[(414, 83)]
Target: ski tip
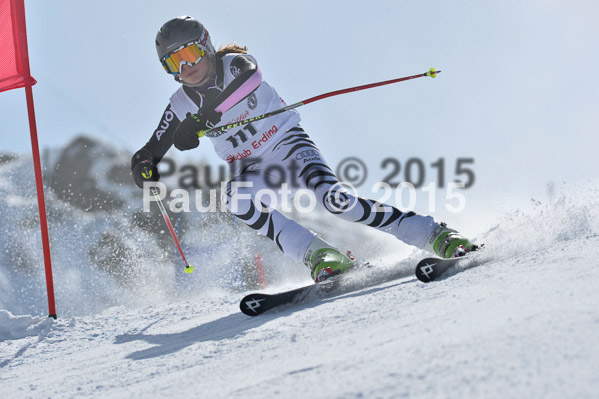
[(425, 269), (431, 269), (252, 305)]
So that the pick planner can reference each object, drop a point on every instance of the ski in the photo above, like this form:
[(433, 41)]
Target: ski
[(361, 277), (257, 303), (431, 269), (427, 270)]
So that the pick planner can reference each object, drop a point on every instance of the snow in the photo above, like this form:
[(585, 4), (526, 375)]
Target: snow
[(17, 327), (524, 324)]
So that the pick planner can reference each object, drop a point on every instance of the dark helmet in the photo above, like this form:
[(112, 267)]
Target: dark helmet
[(179, 32)]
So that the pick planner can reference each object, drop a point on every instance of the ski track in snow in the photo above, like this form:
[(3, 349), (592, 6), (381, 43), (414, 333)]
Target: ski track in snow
[(519, 327)]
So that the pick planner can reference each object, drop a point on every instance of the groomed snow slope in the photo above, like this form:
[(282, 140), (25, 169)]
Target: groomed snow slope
[(521, 326)]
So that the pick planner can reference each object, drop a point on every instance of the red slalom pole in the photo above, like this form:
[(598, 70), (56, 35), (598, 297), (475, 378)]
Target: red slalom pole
[(16, 18), (260, 271), (41, 202), (430, 73)]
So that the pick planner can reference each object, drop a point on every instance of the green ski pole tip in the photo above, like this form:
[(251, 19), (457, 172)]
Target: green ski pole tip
[(188, 269), (432, 73)]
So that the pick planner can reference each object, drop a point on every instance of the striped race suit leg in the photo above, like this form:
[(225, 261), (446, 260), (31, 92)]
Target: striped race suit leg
[(296, 161), (243, 200)]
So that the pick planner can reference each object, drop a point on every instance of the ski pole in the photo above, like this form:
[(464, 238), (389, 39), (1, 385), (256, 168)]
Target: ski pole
[(430, 73), (188, 268)]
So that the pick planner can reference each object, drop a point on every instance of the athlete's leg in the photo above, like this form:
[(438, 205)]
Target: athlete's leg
[(241, 199), (298, 154)]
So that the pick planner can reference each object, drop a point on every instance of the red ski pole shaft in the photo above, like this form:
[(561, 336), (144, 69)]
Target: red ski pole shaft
[(188, 268), (430, 73)]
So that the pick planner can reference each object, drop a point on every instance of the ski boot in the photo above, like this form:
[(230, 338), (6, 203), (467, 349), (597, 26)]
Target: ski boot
[(325, 261), (448, 243)]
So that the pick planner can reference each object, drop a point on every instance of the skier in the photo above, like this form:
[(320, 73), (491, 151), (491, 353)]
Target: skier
[(226, 86)]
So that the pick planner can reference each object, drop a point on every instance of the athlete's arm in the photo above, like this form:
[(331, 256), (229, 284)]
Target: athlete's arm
[(144, 162), (248, 79), (162, 138)]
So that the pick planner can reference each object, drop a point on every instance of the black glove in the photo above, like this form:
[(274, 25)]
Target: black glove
[(143, 167), (186, 134)]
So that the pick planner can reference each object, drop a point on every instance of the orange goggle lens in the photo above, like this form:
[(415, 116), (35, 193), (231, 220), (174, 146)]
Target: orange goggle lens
[(189, 55)]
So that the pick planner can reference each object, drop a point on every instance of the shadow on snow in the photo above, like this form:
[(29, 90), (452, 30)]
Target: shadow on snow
[(237, 324)]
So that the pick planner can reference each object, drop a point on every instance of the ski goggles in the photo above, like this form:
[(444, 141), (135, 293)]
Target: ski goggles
[(187, 55)]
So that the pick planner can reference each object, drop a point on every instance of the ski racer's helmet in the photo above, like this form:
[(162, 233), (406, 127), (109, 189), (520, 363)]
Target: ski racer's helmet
[(183, 40)]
